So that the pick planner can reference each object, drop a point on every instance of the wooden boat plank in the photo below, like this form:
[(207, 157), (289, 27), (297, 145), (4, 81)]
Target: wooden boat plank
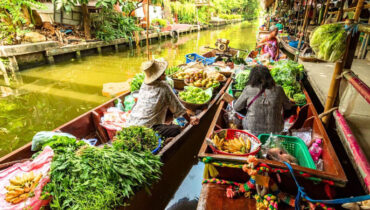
[(213, 197)]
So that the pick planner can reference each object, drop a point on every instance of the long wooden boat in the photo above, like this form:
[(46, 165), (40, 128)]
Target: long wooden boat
[(284, 43), (313, 181), (180, 151)]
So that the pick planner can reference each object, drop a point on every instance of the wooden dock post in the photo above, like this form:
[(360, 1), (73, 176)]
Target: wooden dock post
[(325, 12)]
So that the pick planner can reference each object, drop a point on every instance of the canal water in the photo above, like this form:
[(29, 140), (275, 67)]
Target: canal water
[(46, 97)]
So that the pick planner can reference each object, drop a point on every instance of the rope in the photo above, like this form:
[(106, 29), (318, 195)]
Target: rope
[(302, 194)]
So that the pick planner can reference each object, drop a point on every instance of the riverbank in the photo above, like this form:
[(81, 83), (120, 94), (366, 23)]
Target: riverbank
[(26, 56)]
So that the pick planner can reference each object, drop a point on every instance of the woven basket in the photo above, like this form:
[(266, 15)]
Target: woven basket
[(229, 134), (194, 107)]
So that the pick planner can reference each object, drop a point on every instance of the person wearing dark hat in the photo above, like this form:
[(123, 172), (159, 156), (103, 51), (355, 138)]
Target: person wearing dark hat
[(155, 99)]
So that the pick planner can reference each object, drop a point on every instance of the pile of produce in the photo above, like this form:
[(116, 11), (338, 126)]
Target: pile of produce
[(195, 95), (238, 146), (172, 70), (137, 81), (286, 73), (22, 187), (136, 138), (241, 79), (329, 41), (97, 178), (199, 78)]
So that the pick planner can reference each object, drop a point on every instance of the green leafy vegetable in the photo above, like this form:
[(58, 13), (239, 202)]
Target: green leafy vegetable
[(329, 41), (137, 81), (241, 79), (99, 178), (299, 98), (136, 138), (172, 70)]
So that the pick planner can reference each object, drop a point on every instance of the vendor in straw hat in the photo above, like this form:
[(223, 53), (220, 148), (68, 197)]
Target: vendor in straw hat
[(155, 99)]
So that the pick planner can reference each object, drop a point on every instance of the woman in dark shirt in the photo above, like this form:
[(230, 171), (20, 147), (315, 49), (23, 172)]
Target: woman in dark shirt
[(265, 113)]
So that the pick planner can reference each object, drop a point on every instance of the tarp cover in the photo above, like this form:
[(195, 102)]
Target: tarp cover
[(41, 164)]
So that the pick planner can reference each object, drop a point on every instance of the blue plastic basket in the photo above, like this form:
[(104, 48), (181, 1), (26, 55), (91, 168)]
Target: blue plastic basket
[(159, 145), (193, 57)]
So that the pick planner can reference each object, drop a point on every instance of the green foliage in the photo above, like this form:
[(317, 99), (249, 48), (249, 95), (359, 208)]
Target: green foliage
[(137, 81), (99, 178), (299, 98), (136, 138), (186, 11), (111, 25), (230, 17), (13, 21), (160, 22), (286, 73)]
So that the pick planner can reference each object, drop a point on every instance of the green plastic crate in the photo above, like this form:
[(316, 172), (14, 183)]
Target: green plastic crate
[(294, 146)]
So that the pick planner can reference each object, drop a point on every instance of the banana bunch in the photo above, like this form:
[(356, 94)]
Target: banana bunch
[(237, 146), (21, 188), (218, 142)]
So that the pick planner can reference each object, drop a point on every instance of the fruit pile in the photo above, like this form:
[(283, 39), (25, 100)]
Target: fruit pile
[(238, 146), (198, 78), (195, 95), (21, 188)]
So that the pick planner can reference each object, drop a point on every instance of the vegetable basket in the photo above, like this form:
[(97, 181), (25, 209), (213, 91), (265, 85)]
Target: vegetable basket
[(229, 134), (294, 146), (194, 107)]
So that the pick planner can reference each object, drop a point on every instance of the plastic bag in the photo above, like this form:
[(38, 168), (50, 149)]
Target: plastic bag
[(118, 104), (304, 134), (180, 121), (41, 137), (129, 102), (232, 118), (273, 149), (41, 164)]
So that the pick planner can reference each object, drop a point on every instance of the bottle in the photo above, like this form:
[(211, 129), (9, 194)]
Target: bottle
[(316, 150)]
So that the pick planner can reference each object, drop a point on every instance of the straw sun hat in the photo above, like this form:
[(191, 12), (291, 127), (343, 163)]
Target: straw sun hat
[(153, 70)]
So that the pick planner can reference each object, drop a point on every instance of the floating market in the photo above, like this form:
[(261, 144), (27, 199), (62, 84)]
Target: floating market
[(184, 104)]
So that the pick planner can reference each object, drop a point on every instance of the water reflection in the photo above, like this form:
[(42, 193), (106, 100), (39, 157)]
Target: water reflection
[(44, 98)]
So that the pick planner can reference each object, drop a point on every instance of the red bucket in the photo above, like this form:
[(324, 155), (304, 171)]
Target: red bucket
[(229, 134)]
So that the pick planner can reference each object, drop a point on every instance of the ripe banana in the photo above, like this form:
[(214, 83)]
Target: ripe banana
[(21, 187)]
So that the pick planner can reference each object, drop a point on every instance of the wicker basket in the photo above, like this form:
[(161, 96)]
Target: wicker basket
[(178, 83), (229, 134), (194, 107)]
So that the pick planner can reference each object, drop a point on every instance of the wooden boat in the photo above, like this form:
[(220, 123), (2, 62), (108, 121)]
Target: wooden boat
[(332, 175), (180, 150), (304, 54)]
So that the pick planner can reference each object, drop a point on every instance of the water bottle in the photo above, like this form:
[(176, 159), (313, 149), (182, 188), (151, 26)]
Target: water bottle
[(316, 150)]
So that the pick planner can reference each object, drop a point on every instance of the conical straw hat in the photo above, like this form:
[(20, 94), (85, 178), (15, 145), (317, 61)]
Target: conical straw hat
[(153, 70)]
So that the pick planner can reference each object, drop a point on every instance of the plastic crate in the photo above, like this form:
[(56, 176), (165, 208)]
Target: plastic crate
[(193, 57), (294, 146)]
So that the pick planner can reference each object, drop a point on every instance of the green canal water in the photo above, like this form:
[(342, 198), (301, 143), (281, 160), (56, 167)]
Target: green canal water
[(46, 97)]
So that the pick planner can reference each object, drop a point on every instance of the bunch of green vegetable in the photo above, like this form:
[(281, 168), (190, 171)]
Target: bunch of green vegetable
[(136, 138), (329, 41), (172, 70), (196, 95), (299, 98), (241, 79), (286, 73), (99, 178), (137, 81)]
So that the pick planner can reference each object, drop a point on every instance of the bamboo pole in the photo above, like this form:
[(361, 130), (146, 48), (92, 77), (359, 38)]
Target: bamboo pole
[(339, 65), (305, 21), (340, 11), (325, 12), (147, 28)]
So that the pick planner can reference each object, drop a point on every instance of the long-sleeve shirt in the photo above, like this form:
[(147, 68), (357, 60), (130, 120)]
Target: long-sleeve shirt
[(265, 115), (152, 105)]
